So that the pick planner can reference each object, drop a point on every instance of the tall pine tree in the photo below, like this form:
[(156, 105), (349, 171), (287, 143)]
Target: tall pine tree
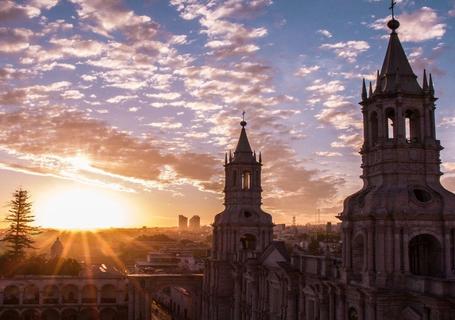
[(19, 235)]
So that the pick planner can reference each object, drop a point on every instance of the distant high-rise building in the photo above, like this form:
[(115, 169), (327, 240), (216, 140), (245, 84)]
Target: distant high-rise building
[(195, 222), (183, 222)]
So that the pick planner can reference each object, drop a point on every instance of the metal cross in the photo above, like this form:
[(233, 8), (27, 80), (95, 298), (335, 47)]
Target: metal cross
[(392, 7), (243, 115)]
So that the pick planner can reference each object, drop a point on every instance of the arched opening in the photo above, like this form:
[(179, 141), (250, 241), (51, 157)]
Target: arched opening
[(425, 256), (352, 314), (374, 131), (50, 294), (31, 294), (108, 314), (10, 315), (390, 123), (30, 314), (248, 242), (108, 294), (412, 126), (11, 295), (89, 294), (69, 314), (88, 314), (50, 314), (246, 180), (70, 294), (358, 253)]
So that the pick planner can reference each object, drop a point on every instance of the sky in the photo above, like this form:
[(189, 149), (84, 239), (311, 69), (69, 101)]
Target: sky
[(118, 113)]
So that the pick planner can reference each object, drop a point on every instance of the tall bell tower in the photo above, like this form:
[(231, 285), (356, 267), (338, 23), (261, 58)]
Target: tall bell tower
[(240, 232), (401, 224)]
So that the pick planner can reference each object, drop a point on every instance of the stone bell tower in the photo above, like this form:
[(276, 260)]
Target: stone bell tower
[(240, 232), (401, 225)]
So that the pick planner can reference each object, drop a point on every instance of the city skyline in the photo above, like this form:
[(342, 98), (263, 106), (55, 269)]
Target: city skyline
[(131, 106)]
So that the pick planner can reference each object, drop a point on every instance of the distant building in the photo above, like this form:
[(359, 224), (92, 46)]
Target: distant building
[(56, 249), (195, 222), (183, 222)]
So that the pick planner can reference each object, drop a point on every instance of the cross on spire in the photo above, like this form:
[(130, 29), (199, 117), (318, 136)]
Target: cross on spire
[(392, 7), (243, 115)]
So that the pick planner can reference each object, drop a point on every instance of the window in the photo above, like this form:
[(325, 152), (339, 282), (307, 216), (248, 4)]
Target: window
[(390, 116), (425, 256), (248, 242), (352, 314), (412, 126), (246, 180)]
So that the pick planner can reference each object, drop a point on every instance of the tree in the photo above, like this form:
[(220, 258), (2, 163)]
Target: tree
[(19, 235)]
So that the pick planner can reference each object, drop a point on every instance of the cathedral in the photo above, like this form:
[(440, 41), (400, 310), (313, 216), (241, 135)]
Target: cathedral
[(398, 231)]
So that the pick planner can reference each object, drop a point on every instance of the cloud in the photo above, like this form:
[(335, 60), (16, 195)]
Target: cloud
[(349, 50), (49, 138), (12, 10), (325, 33), (421, 25), (121, 98), (328, 154), (14, 40), (304, 71), (322, 87), (72, 94)]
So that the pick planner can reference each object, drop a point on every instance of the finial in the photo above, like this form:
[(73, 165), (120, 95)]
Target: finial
[(364, 91), (371, 90), (431, 85), (425, 81), (378, 84), (260, 157), (254, 154), (243, 123), (393, 24), (230, 156), (225, 158)]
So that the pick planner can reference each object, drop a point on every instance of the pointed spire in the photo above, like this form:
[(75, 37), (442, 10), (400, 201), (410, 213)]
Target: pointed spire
[(425, 81), (254, 154), (397, 80), (371, 90), (394, 60), (431, 85), (225, 158), (378, 84), (230, 156), (260, 157), (243, 151), (364, 91)]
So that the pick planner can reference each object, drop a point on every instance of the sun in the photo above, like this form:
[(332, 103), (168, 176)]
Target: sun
[(80, 209)]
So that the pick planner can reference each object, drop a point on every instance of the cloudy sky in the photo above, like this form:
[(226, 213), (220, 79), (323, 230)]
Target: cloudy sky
[(135, 102)]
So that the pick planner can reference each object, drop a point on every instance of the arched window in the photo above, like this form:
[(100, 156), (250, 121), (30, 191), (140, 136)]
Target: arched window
[(412, 126), (50, 294), (248, 242), (108, 294), (352, 314), (425, 256), (358, 253), (70, 294), (11, 295), (390, 118), (246, 180), (374, 128), (31, 294)]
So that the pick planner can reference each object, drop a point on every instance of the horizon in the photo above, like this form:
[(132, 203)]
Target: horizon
[(118, 115)]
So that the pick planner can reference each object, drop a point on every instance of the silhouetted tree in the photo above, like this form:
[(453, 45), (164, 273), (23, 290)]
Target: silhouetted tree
[(20, 217)]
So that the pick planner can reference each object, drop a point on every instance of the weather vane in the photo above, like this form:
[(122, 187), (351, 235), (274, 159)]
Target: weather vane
[(392, 7)]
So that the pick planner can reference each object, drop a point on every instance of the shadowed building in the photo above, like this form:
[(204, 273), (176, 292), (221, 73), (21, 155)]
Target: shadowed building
[(195, 223), (398, 231), (183, 222)]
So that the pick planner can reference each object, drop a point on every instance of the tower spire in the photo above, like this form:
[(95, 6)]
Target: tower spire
[(364, 91), (425, 81)]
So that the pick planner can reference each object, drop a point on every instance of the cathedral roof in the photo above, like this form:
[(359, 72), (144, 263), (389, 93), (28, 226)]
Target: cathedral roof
[(243, 151), (396, 73)]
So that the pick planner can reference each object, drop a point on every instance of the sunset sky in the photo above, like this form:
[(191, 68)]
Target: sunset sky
[(118, 113)]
